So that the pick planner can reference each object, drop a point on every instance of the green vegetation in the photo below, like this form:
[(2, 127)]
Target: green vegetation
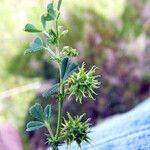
[(80, 84), (97, 28)]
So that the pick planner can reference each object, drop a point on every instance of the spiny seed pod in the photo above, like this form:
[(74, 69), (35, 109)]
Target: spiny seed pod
[(75, 130), (83, 83), (69, 51), (53, 142)]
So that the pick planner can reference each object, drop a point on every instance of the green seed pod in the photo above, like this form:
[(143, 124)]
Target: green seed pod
[(83, 83), (75, 130)]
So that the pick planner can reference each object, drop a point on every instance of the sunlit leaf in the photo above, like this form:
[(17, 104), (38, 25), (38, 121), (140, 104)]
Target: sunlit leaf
[(31, 28), (43, 21), (49, 16), (51, 12)]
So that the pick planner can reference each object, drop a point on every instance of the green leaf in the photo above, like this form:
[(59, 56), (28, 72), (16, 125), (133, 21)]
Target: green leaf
[(53, 37), (70, 69), (51, 15), (31, 28), (34, 125), (51, 12), (43, 21), (51, 91), (37, 111), (37, 45), (64, 66), (67, 68), (47, 111)]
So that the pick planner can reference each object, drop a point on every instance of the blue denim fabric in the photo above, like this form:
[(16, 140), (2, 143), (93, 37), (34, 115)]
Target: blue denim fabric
[(129, 131)]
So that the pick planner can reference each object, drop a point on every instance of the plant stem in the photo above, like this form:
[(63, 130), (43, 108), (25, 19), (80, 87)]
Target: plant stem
[(79, 147), (60, 105), (61, 98), (59, 4), (60, 112), (57, 30), (49, 129), (53, 147)]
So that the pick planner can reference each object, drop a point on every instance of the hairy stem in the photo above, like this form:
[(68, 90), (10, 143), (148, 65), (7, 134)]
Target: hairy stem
[(54, 147), (60, 112), (60, 105), (61, 98), (57, 31), (49, 129)]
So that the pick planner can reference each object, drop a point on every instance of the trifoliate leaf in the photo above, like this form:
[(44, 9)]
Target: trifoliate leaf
[(47, 111), (67, 68), (31, 28), (51, 91), (34, 125), (51, 12), (37, 111), (49, 16), (37, 45)]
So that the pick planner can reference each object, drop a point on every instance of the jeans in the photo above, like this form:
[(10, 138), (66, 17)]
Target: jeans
[(128, 131)]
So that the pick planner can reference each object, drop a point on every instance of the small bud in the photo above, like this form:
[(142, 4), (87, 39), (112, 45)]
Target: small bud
[(69, 51)]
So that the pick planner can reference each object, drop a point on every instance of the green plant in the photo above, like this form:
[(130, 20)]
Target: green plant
[(73, 81)]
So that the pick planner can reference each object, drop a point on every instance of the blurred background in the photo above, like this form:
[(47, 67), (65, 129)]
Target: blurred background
[(113, 35)]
